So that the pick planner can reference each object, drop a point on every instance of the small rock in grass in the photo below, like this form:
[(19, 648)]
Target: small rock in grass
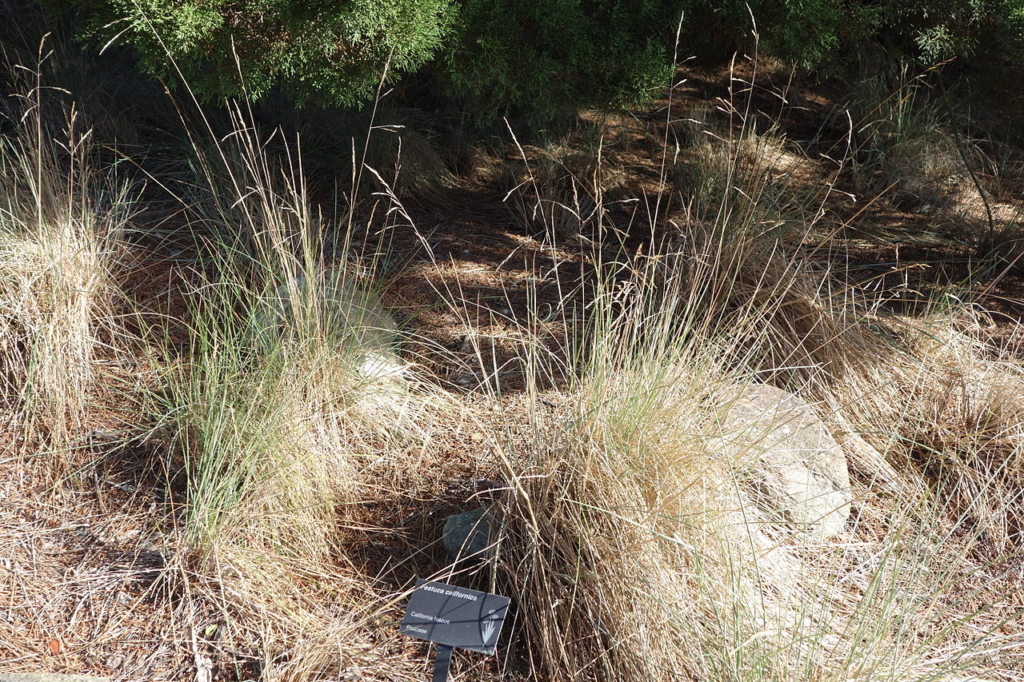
[(467, 534)]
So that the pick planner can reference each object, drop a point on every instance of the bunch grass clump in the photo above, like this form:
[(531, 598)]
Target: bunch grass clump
[(947, 414), (556, 189), (907, 142), (635, 552), (609, 490), (291, 374), (60, 248), (288, 391)]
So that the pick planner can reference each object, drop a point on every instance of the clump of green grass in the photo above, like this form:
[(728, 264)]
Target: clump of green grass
[(291, 372), (288, 390), (258, 472), (608, 489), (907, 143)]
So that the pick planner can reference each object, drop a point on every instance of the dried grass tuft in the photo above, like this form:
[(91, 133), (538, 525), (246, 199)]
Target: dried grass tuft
[(60, 228)]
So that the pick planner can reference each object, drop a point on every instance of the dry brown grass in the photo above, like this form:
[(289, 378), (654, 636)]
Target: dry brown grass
[(632, 556), (59, 254)]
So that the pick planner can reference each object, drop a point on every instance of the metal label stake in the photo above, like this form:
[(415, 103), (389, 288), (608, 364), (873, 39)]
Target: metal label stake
[(442, 663), (454, 617)]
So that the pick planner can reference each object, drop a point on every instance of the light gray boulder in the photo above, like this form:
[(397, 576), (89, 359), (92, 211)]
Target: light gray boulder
[(793, 469), (467, 534), (331, 306)]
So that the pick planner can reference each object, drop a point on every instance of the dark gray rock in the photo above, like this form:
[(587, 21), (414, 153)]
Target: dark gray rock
[(467, 534)]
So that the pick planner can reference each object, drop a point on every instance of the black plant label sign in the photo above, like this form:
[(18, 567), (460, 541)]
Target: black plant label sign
[(455, 616)]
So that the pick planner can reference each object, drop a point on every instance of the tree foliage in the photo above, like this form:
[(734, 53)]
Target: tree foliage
[(816, 33), (558, 54), (944, 29), (546, 55), (332, 49)]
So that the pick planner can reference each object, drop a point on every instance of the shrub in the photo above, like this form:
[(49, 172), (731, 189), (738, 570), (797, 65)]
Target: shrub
[(549, 55), (943, 29), (337, 51), (500, 56), (557, 55)]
